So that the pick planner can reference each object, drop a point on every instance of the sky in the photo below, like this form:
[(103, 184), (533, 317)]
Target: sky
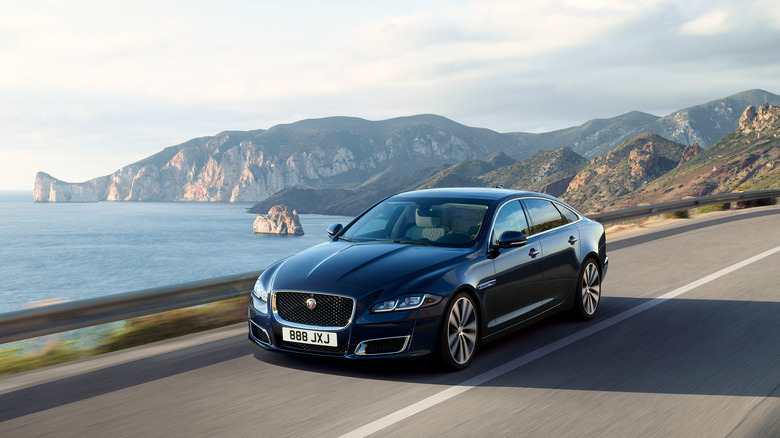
[(87, 87)]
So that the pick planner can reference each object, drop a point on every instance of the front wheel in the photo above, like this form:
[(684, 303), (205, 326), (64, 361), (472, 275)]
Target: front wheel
[(459, 333), (588, 293)]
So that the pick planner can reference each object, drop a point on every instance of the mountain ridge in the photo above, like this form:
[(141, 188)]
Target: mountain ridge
[(348, 153), (744, 160)]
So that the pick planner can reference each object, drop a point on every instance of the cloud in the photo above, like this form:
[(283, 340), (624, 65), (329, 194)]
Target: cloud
[(129, 78), (714, 23), (480, 35)]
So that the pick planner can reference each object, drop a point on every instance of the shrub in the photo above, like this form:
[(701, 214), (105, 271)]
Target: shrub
[(679, 214)]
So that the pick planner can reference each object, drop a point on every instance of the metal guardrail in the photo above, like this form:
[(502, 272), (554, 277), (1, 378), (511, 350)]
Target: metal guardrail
[(29, 323), (683, 204), (71, 315)]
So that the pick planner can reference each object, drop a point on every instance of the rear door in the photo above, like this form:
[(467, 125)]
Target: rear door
[(559, 242)]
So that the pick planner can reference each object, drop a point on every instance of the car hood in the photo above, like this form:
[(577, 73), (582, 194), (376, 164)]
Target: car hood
[(364, 266)]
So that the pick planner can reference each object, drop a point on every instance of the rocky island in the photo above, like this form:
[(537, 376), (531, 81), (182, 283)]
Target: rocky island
[(280, 219)]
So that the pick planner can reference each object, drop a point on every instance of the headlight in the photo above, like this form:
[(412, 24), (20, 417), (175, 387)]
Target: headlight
[(261, 294), (259, 291), (406, 302)]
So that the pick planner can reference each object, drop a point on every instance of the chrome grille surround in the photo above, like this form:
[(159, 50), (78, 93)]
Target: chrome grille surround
[(333, 311)]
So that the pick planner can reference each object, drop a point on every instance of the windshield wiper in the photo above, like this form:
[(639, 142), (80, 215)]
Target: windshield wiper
[(344, 238), (412, 242)]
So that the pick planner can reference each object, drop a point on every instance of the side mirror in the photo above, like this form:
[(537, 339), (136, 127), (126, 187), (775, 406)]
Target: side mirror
[(334, 229), (511, 239)]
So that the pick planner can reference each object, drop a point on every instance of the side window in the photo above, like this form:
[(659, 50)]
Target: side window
[(544, 215), (510, 218), (567, 213)]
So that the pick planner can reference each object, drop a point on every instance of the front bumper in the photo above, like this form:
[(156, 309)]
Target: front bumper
[(402, 334)]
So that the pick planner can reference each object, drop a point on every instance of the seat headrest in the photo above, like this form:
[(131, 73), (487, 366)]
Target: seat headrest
[(427, 218)]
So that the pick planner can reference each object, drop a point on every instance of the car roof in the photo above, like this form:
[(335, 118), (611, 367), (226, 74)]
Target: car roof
[(470, 193)]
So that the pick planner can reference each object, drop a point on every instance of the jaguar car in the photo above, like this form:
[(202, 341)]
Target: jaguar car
[(432, 274)]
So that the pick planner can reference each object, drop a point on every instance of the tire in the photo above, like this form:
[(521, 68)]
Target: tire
[(459, 334), (587, 293)]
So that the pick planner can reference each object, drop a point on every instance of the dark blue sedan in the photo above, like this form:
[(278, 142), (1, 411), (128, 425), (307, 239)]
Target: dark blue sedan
[(432, 272)]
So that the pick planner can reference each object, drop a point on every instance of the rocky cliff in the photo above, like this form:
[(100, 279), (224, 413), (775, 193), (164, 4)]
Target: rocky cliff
[(743, 160), (280, 219), (348, 154), (631, 165), (50, 189), (644, 169), (250, 166)]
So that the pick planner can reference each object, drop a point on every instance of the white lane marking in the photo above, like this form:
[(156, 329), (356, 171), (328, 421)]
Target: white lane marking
[(475, 381)]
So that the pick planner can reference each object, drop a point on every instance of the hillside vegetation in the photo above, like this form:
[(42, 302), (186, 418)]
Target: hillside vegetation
[(746, 159)]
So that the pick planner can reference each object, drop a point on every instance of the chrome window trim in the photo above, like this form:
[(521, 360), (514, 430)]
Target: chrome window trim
[(361, 348), (556, 228), (263, 330), (580, 217), (286, 323), (495, 216)]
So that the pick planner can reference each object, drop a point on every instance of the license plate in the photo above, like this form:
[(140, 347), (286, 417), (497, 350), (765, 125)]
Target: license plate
[(309, 337)]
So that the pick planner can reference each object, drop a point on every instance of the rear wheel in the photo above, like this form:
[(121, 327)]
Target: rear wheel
[(459, 333), (587, 296)]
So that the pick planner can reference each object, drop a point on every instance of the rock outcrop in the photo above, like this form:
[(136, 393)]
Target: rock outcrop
[(747, 117), (753, 120), (631, 165), (690, 151), (50, 189), (557, 188), (643, 161), (280, 219)]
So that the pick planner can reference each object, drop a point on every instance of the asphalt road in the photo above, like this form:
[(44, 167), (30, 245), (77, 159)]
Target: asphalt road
[(704, 361)]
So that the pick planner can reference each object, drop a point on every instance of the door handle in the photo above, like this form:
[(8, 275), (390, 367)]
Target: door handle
[(572, 240), (533, 252)]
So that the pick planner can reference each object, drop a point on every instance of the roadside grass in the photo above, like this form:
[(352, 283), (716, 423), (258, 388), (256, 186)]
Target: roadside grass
[(622, 228), (713, 208), (15, 360), (134, 332)]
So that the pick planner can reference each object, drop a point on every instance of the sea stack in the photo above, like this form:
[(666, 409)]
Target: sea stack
[(280, 219)]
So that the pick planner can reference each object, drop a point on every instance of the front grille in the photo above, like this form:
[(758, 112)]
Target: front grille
[(383, 346), (330, 311), (322, 349)]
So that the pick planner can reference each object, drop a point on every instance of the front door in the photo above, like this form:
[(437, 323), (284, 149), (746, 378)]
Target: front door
[(516, 294)]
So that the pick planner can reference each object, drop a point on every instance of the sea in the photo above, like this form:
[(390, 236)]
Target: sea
[(58, 251)]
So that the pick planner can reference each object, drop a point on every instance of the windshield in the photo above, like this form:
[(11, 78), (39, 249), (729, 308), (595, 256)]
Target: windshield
[(422, 221)]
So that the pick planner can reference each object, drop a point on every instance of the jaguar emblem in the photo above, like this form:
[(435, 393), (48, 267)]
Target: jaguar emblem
[(311, 303)]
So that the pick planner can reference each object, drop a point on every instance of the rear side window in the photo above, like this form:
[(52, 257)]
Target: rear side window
[(567, 213), (544, 216)]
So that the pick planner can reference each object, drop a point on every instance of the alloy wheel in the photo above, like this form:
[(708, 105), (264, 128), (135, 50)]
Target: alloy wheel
[(462, 330), (591, 288)]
